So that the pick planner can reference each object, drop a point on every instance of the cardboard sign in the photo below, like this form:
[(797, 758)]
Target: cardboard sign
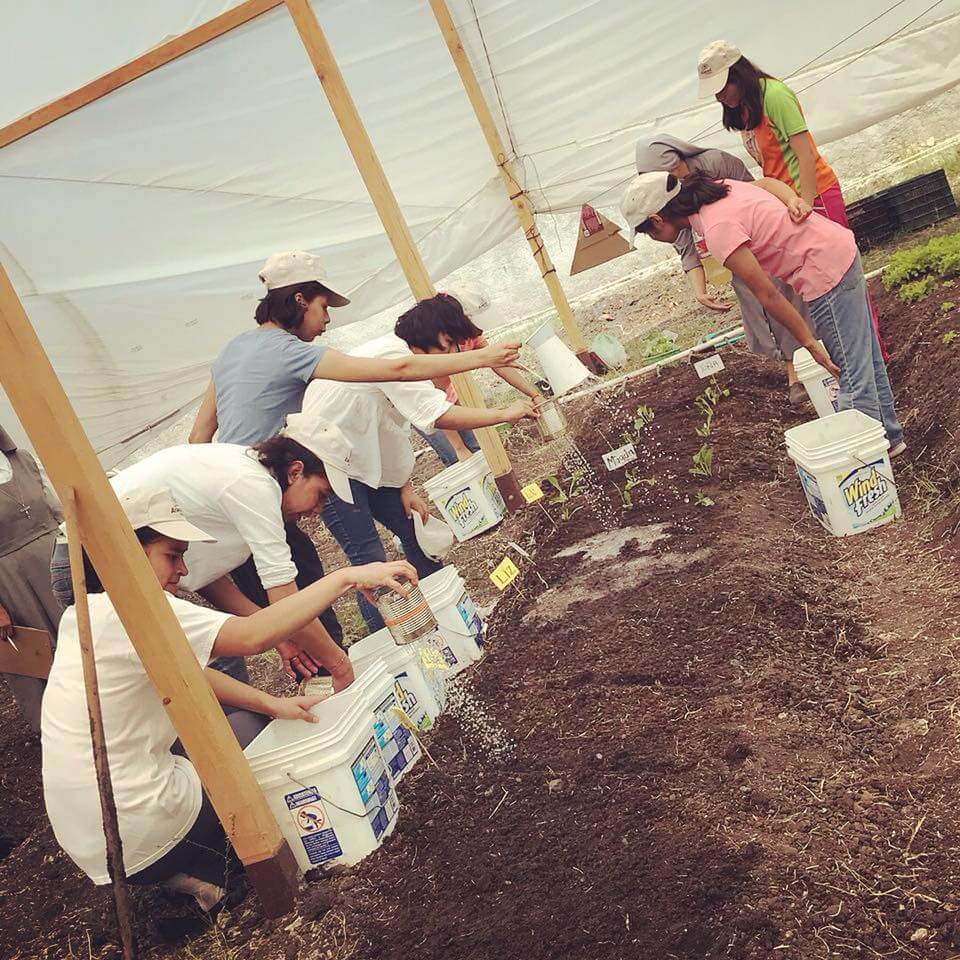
[(620, 457), (598, 241), (710, 366), (532, 492), (33, 656), (505, 573)]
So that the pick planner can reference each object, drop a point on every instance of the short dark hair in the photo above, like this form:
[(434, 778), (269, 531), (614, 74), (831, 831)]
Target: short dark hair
[(280, 305), (146, 535), (423, 323), (696, 191), (748, 115), (277, 453)]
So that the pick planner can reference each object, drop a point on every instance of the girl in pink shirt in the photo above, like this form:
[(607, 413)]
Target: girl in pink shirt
[(756, 237)]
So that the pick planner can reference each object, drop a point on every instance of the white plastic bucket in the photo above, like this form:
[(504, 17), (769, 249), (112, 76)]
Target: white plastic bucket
[(845, 471), (559, 363), (457, 617), (822, 387), (415, 692), (375, 688), (467, 496), (327, 783)]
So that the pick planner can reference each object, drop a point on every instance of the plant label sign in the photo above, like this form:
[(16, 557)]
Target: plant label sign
[(532, 492), (710, 366), (504, 574), (620, 457)]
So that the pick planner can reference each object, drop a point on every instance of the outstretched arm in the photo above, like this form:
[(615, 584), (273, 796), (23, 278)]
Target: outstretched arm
[(236, 693), (334, 365), (468, 418)]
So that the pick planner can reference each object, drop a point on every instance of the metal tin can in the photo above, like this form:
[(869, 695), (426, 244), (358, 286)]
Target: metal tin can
[(407, 618), (552, 423)]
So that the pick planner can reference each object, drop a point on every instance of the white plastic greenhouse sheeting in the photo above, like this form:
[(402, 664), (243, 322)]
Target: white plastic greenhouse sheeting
[(133, 228)]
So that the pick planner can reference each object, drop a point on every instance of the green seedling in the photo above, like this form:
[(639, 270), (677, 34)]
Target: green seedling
[(631, 482), (703, 500), (938, 257), (641, 420), (916, 290), (703, 462), (947, 306), (950, 336), (566, 492)]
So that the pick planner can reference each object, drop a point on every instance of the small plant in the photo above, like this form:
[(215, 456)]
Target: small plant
[(631, 482), (706, 403), (703, 500), (947, 306), (916, 290), (939, 257), (565, 492), (950, 336), (703, 462), (641, 420)]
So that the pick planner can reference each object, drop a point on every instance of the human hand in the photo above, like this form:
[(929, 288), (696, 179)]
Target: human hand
[(6, 625), (499, 354), (521, 410), (370, 576), (799, 209), (822, 357), (296, 661), (463, 454), (342, 674), (413, 504), (295, 708), (711, 303)]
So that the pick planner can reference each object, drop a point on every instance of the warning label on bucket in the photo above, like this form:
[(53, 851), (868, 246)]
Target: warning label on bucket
[(319, 839)]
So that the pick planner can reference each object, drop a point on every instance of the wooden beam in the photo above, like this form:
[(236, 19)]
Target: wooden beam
[(414, 269), (46, 414), (157, 57), (505, 165)]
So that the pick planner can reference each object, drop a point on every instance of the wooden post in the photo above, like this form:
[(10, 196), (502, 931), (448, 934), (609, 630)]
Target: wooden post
[(368, 165), (51, 423), (518, 196), (101, 763)]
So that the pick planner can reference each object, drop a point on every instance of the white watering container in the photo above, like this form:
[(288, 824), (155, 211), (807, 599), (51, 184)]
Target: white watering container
[(415, 691), (559, 363), (845, 471), (457, 616), (374, 687), (821, 386), (467, 496), (326, 783)]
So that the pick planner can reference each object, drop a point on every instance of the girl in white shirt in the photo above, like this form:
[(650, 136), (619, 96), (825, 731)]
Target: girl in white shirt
[(169, 830)]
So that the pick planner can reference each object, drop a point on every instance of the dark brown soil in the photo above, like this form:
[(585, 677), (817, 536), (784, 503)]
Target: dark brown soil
[(732, 737)]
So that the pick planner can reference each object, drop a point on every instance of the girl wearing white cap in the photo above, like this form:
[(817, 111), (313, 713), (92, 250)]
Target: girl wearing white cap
[(764, 334), (169, 830), (774, 130), (752, 235), (243, 496), (449, 323)]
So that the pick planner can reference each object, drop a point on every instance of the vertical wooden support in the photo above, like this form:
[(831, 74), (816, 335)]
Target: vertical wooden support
[(51, 423), (98, 741), (518, 197), (368, 165)]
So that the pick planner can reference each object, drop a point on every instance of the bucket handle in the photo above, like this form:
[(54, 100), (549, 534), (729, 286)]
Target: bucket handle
[(300, 783), (858, 455)]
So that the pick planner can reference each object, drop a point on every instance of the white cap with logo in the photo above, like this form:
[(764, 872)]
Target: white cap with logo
[(476, 305), (153, 507), (714, 64), (325, 441), (297, 266), (646, 194)]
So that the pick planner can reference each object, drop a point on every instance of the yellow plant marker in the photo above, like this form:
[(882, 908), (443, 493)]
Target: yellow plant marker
[(504, 574), (532, 492)]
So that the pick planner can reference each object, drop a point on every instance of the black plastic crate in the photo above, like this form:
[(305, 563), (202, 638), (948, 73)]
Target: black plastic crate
[(921, 198), (872, 221)]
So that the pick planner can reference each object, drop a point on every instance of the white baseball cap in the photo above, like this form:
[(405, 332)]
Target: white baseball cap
[(714, 64), (296, 266), (646, 194), (153, 507), (476, 305), (325, 441)]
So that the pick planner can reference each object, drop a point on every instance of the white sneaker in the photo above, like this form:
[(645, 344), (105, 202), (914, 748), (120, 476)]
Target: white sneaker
[(897, 449)]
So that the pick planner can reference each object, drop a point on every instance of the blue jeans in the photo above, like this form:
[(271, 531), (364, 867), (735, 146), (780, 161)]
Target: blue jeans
[(843, 323), (444, 448), (353, 527)]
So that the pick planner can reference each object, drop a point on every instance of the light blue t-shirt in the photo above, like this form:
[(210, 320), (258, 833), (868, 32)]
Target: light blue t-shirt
[(259, 377)]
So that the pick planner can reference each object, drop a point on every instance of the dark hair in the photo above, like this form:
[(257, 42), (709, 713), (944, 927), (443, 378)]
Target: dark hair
[(280, 305), (748, 115), (277, 453), (146, 535), (422, 324), (696, 191)]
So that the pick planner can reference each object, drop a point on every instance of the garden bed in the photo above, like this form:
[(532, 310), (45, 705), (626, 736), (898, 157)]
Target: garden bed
[(700, 730)]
